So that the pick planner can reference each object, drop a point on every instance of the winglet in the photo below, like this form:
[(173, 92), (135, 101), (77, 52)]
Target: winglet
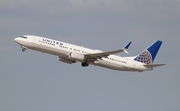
[(126, 47)]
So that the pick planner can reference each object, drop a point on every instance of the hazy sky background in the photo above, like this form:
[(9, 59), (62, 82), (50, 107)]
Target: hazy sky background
[(32, 81)]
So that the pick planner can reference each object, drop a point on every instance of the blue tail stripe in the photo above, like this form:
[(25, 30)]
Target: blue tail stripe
[(153, 49)]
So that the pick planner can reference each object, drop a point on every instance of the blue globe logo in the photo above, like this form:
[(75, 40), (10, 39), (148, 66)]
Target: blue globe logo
[(144, 57)]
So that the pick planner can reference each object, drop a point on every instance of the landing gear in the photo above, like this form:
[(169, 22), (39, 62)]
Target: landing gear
[(23, 49), (84, 64)]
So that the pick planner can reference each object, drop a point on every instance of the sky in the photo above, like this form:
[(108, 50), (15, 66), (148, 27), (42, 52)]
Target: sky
[(32, 81)]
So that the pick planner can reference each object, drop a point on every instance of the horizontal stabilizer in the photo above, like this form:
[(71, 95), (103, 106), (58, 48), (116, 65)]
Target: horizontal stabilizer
[(153, 65)]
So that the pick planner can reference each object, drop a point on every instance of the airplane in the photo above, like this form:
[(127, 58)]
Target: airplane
[(69, 53)]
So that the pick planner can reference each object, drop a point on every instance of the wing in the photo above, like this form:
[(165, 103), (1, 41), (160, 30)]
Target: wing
[(105, 54)]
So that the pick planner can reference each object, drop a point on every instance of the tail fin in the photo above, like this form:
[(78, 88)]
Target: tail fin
[(149, 54)]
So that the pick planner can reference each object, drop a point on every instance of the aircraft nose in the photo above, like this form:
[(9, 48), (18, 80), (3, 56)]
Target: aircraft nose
[(16, 40)]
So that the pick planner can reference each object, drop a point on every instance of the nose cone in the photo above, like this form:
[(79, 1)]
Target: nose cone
[(17, 40)]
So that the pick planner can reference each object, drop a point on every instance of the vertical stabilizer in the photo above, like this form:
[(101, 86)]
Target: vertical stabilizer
[(149, 54)]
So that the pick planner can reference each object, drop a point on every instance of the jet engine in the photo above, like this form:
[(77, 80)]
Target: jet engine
[(65, 60), (76, 56)]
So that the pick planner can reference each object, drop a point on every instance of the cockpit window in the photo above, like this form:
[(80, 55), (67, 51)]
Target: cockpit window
[(24, 37)]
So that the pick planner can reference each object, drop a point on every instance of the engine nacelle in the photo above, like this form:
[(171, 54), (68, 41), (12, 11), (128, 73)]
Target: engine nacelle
[(68, 61), (76, 56)]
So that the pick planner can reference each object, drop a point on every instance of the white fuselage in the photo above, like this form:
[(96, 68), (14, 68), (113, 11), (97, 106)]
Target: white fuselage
[(62, 50)]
